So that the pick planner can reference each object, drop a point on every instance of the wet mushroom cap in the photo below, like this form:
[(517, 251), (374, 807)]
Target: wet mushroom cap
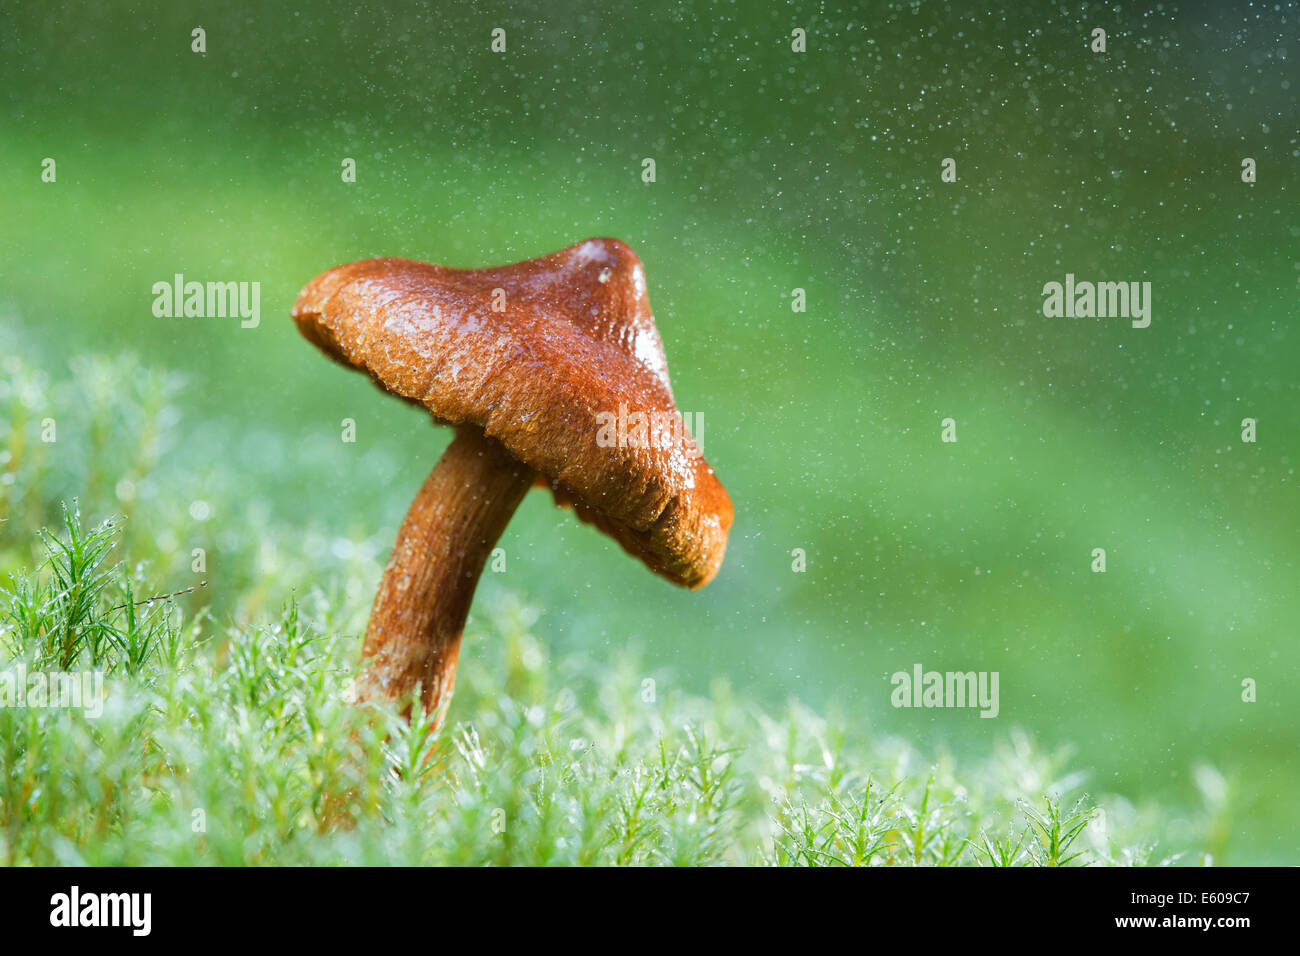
[(571, 336)]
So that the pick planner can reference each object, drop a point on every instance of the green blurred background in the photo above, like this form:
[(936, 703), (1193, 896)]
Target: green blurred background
[(775, 170)]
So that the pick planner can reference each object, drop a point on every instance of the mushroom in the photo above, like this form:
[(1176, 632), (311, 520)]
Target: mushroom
[(541, 367)]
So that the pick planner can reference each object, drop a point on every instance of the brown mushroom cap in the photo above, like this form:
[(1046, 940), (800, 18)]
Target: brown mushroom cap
[(575, 338)]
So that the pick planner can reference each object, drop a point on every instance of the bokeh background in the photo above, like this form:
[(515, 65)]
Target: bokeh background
[(775, 170)]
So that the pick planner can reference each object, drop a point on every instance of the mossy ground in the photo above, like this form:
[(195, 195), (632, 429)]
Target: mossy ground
[(226, 735)]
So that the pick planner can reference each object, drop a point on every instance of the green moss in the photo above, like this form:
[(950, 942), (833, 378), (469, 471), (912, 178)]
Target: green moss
[(226, 736)]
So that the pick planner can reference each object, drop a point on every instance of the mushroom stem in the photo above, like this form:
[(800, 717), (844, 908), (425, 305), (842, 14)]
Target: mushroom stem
[(450, 530)]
